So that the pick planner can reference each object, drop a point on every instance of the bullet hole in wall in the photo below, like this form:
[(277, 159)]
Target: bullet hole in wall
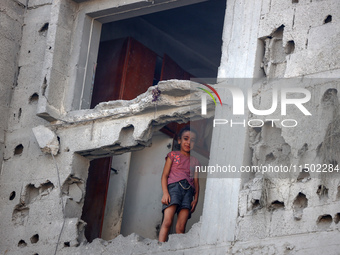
[(337, 218), (322, 192), (295, 1), (328, 19), (290, 47), (43, 29), (278, 33), (270, 157), (303, 175), (66, 244), (300, 203), (19, 149), (255, 204), (35, 238), (324, 221), (12, 195), (275, 205), (303, 150), (257, 129), (330, 95), (32, 192), (22, 243), (34, 98), (19, 113), (46, 186)]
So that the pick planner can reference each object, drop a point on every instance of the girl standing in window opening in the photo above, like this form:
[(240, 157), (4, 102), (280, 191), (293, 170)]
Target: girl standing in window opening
[(179, 184)]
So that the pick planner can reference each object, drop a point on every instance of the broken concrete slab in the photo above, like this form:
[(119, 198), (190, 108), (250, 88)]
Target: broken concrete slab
[(47, 140)]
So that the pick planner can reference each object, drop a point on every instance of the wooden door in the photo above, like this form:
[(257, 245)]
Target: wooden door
[(125, 69), (171, 70), (95, 198), (110, 66), (138, 71)]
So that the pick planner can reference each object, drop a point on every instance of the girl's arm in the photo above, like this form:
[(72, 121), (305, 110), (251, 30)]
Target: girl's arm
[(197, 191), (164, 181)]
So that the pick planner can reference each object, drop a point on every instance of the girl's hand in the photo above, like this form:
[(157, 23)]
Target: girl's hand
[(166, 199), (193, 205)]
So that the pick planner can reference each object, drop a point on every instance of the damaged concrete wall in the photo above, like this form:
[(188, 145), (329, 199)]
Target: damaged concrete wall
[(299, 32), (42, 182), (11, 23), (56, 188), (24, 186), (42, 194), (299, 39)]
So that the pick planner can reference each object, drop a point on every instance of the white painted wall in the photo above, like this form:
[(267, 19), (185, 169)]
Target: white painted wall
[(116, 196), (143, 208)]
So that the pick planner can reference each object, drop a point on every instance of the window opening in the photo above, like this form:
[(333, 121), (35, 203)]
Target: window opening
[(138, 50), (174, 44)]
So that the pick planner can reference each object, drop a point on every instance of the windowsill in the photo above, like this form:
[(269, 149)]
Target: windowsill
[(175, 94)]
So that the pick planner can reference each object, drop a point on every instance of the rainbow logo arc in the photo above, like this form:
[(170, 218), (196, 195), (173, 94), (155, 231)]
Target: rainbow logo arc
[(204, 98), (211, 95)]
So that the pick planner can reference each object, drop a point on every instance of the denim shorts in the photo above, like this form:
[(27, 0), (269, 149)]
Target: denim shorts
[(181, 194)]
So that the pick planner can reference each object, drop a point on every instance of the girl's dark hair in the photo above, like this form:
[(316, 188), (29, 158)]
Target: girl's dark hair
[(187, 128)]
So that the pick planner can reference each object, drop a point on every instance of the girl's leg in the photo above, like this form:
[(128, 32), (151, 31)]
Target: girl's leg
[(182, 219), (167, 222)]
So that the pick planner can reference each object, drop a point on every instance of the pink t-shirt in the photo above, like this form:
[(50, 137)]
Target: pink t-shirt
[(182, 167)]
